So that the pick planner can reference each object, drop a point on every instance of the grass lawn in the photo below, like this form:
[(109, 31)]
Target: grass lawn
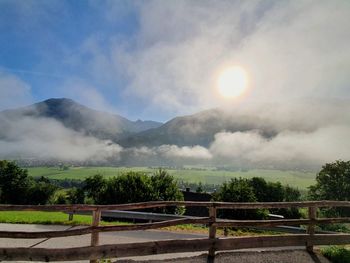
[(297, 179), (48, 218), (38, 217), (59, 218)]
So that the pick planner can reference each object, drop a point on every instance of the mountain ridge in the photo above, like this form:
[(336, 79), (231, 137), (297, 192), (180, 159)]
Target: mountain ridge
[(80, 118)]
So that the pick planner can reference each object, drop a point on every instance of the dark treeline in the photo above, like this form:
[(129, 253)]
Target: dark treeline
[(16, 187)]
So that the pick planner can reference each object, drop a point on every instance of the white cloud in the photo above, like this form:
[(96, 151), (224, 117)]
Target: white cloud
[(185, 152), (45, 139), (289, 149), (14, 91), (291, 49)]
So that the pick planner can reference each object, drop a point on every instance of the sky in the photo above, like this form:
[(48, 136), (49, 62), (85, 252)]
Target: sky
[(160, 59)]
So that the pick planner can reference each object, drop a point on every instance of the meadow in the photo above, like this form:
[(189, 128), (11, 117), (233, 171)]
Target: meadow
[(298, 179), (39, 217)]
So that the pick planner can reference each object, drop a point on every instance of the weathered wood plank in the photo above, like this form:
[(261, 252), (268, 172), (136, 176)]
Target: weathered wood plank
[(312, 212), (153, 204), (155, 225), (167, 246), (281, 241), (212, 231), (279, 222), (257, 205), (95, 235)]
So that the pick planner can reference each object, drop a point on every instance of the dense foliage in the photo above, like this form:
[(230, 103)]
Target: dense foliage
[(16, 187), (256, 190), (133, 187), (333, 183), (337, 254)]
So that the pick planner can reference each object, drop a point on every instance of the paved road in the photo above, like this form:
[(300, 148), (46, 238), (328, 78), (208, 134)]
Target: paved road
[(105, 238), (84, 240)]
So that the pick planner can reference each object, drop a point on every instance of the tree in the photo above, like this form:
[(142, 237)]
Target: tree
[(16, 187), (95, 186), (291, 194), (199, 188), (333, 183), (267, 191), (237, 190), (14, 183), (133, 187), (164, 188), (75, 196), (130, 187), (260, 188), (40, 191)]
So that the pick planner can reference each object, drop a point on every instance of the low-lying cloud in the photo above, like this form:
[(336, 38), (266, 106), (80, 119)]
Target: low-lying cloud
[(286, 150), (47, 139), (271, 137)]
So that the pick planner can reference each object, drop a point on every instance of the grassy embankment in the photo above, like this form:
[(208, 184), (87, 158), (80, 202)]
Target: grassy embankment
[(298, 179)]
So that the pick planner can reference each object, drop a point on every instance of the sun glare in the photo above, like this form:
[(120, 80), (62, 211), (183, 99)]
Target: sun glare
[(232, 82)]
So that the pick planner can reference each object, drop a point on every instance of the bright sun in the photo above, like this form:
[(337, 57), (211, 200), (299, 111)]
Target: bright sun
[(232, 82)]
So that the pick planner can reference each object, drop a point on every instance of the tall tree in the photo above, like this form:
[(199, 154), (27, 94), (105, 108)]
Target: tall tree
[(237, 190), (333, 183), (14, 183)]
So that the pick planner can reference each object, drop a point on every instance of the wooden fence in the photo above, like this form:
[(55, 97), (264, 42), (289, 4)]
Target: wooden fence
[(210, 244)]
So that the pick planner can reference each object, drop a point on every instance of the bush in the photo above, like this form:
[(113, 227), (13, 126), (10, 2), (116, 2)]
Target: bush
[(59, 198), (133, 187), (40, 191), (257, 190), (337, 254), (237, 190)]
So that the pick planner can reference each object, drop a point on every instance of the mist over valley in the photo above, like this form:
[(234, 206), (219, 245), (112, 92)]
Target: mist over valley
[(290, 136)]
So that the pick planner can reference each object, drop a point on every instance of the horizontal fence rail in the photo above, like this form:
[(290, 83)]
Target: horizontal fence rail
[(211, 244), (156, 204)]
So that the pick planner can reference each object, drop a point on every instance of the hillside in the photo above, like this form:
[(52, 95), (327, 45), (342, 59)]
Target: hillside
[(198, 129), (77, 117)]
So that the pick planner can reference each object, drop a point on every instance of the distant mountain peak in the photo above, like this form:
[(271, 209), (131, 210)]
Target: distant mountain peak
[(78, 117)]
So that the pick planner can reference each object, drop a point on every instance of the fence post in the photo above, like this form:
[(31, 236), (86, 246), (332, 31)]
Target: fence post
[(312, 211), (70, 216), (212, 232), (96, 217)]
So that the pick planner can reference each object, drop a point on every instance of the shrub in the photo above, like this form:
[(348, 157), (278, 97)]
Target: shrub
[(337, 254)]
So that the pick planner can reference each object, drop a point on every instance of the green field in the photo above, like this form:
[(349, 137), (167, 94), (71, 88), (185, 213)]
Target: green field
[(207, 176), (47, 218), (38, 217)]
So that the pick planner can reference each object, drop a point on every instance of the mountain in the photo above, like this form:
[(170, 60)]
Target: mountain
[(79, 118), (199, 129)]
